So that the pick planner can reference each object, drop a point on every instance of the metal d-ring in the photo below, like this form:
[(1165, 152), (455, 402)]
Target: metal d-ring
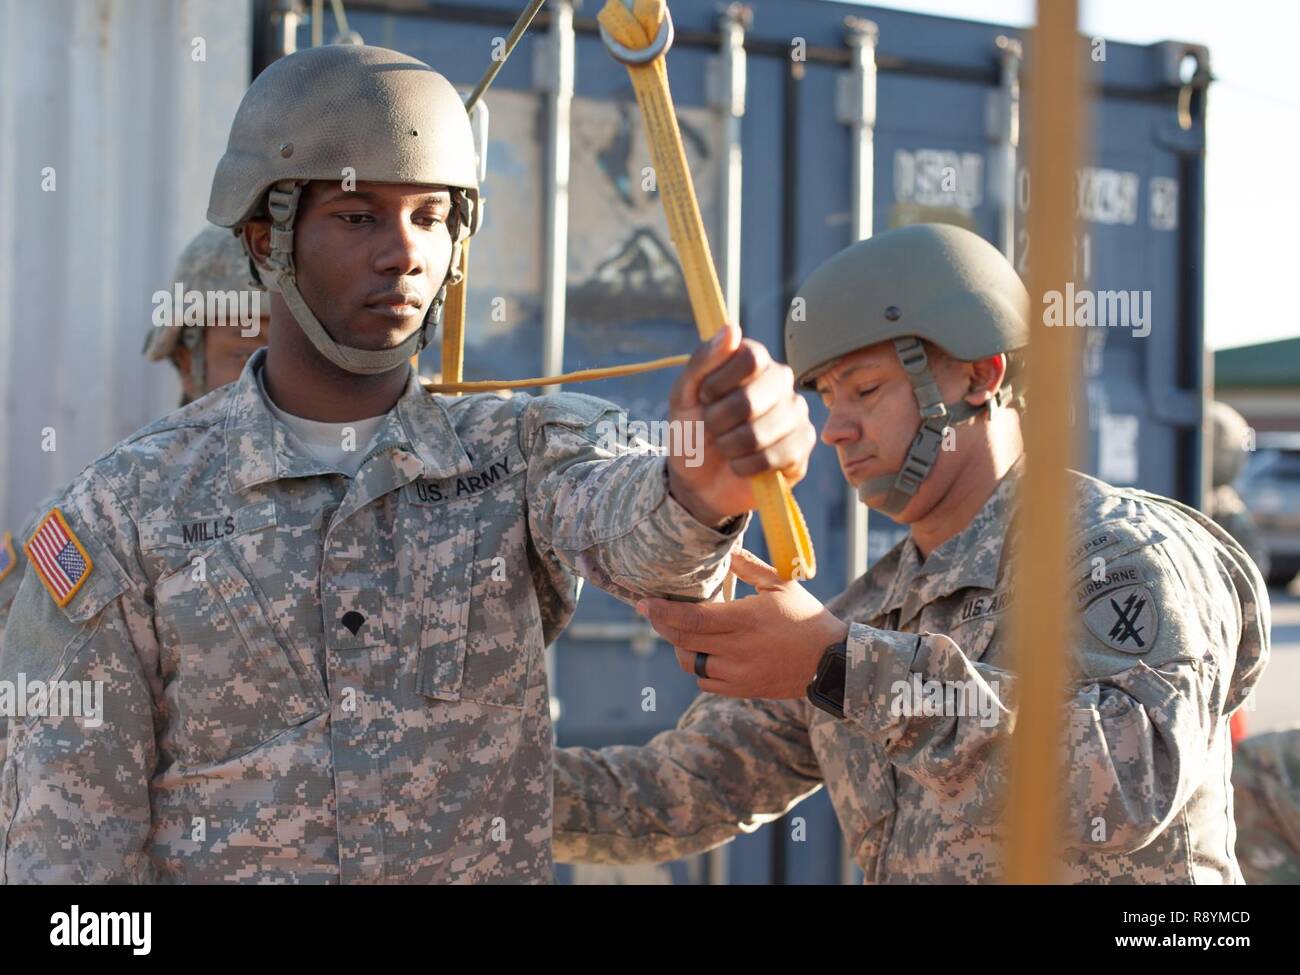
[(657, 47)]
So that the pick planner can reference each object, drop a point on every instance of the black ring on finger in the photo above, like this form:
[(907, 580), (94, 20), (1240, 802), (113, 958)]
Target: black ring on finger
[(701, 665)]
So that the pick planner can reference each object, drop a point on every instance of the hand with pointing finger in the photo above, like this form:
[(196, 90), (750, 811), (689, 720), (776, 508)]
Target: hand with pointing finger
[(763, 646)]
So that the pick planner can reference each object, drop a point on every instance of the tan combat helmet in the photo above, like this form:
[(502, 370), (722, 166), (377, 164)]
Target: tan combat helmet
[(213, 261), (325, 113), (927, 281), (1228, 443)]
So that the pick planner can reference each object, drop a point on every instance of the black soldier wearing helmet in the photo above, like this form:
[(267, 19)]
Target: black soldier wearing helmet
[(320, 597)]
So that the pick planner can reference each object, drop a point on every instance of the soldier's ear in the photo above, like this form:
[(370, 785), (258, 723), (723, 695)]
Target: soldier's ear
[(986, 375), (257, 240), (182, 359)]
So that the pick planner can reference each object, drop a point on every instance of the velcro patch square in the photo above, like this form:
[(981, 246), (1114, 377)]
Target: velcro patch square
[(8, 557)]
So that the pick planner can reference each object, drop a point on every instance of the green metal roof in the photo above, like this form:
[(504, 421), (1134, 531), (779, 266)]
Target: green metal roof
[(1267, 364)]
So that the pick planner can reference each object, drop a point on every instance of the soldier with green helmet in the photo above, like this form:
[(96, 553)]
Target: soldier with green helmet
[(317, 600), (212, 264), (898, 695), (1230, 442), (204, 357)]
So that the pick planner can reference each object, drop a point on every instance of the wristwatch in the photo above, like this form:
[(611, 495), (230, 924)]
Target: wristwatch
[(827, 687)]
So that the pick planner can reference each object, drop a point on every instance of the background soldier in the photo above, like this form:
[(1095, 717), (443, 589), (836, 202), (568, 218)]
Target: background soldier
[(1266, 790), (907, 339), (214, 261), (318, 599), (1228, 441), (205, 358)]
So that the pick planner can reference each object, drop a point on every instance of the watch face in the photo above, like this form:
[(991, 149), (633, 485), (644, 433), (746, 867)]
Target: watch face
[(832, 681)]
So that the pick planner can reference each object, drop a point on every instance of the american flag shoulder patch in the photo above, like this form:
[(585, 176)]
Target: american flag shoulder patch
[(8, 557), (60, 559)]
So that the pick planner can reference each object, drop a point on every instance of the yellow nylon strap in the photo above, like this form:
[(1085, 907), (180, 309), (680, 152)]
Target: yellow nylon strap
[(453, 328), (453, 352), (787, 537), (581, 376), (1037, 778)]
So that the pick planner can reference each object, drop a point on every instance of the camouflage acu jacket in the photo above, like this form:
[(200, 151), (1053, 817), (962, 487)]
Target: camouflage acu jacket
[(1266, 786), (312, 678), (1172, 634)]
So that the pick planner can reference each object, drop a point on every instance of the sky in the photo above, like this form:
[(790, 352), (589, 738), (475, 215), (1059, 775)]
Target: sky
[(1253, 152)]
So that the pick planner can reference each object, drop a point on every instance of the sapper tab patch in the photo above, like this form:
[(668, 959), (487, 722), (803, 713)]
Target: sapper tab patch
[(8, 557), (61, 561)]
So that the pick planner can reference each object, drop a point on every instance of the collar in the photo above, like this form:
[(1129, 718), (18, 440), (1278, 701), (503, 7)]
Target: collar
[(259, 448), (970, 559)]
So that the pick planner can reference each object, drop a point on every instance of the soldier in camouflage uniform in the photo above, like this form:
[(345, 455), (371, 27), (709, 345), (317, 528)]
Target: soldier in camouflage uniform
[(320, 633), (1266, 787), (1230, 440), (205, 358), (910, 698)]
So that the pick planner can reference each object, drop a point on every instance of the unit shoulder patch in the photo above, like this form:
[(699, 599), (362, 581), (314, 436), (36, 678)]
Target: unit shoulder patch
[(60, 560), (1120, 609)]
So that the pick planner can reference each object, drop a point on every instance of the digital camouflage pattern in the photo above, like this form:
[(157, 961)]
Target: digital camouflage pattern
[(1266, 784), (14, 576), (10, 583), (311, 678), (919, 797)]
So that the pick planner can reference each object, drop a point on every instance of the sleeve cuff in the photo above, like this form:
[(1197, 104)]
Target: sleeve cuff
[(878, 665), (677, 522)]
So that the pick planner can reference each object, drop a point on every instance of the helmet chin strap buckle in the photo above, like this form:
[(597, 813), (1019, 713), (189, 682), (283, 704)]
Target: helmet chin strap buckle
[(927, 443)]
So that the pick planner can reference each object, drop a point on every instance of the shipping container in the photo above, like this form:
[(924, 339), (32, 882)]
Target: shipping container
[(112, 117)]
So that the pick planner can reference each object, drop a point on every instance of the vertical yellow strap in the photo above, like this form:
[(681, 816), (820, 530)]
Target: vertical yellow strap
[(1039, 615), (453, 324), (787, 536)]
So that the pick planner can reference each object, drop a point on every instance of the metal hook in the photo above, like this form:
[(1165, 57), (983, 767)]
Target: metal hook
[(657, 47)]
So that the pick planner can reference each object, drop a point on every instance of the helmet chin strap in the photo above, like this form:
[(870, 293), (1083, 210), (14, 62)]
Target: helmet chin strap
[(282, 202), (936, 416)]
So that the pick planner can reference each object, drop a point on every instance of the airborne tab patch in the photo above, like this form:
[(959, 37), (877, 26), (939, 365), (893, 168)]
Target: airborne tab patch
[(61, 561), (1120, 610), (8, 557)]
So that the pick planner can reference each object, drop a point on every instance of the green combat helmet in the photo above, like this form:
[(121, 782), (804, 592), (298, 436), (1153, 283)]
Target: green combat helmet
[(213, 261), (320, 114), (928, 281), (1228, 442)]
